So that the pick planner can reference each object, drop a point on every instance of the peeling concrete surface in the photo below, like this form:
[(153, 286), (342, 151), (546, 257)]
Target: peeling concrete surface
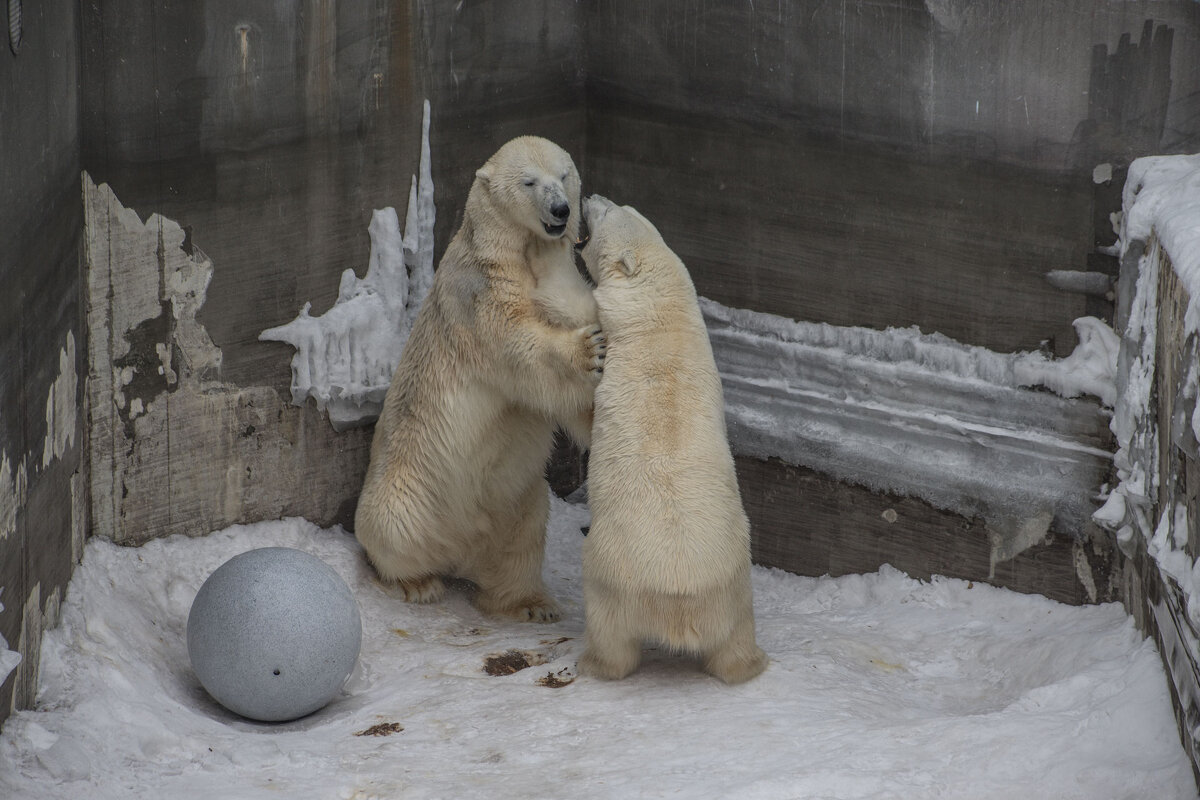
[(61, 412), (9, 499), (174, 448)]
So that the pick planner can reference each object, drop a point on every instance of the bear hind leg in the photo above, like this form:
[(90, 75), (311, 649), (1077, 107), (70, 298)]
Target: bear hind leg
[(738, 658), (509, 573), (612, 630), (610, 657)]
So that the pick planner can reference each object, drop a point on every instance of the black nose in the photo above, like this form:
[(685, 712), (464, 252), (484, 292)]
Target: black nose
[(560, 210)]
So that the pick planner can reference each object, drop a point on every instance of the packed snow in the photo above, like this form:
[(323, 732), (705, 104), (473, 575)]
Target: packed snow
[(880, 686)]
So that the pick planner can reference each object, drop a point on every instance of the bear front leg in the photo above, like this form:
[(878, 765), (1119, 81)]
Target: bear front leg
[(509, 570), (593, 351), (549, 369)]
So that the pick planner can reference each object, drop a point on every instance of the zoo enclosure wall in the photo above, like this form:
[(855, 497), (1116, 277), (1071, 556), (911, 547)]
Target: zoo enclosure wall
[(866, 163)]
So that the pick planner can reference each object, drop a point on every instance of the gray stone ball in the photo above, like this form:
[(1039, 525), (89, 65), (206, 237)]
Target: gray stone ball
[(273, 634)]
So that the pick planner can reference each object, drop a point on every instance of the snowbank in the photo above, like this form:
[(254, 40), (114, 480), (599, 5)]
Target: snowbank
[(879, 686)]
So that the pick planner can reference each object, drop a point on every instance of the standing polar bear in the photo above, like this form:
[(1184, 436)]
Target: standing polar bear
[(667, 558), (504, 350)]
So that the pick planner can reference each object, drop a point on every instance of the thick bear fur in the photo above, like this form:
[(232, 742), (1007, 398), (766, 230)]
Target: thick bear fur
[(667, 558), (504, 350)]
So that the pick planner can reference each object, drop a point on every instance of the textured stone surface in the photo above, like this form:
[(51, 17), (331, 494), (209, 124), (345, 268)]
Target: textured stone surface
[(273, 634)]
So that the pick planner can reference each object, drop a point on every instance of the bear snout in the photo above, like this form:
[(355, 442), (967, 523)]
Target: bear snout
[(594, 209), (560, 210)]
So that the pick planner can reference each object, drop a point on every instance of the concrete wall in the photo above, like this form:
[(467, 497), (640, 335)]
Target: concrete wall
[(888, 163), (42, 489)]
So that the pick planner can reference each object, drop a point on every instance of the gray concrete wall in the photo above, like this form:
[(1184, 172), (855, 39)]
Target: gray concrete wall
[(888, 163), (42, 490)]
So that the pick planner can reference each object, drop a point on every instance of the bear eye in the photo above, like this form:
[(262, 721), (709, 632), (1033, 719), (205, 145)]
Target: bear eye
[(528, 181)]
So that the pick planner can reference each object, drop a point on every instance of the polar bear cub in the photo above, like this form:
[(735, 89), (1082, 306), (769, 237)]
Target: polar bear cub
[(667, 558), (504, 349)]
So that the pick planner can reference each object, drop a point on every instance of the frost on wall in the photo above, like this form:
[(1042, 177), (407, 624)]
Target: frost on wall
[(924, 416), (1159, 243), (345, 357)]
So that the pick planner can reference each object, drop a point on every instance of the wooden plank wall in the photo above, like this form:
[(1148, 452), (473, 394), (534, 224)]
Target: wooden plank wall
[(809, 524), (1155, 600)]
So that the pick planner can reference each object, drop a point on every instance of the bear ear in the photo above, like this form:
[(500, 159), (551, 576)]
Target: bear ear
[(627, 262), (483, 175)]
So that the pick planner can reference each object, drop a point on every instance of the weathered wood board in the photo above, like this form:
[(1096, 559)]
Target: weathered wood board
[(806, 523)]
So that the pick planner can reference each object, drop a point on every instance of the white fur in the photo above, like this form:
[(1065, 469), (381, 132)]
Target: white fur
[(667, 558), (505, 349)]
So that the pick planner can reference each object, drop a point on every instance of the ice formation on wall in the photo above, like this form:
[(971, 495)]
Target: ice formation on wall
[(922, 415), (1159, 225), (345, 357)]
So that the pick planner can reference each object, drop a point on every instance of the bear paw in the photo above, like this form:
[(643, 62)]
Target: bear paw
[(428, 589), (535, 608), (595, 348), (609, 669), (736, 664)]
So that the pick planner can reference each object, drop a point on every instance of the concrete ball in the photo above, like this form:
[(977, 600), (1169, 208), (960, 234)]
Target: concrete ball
[(273, 634)]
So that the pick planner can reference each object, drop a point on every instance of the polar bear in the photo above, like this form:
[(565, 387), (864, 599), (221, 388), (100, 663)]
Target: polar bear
[(504, 349), (667, 558)]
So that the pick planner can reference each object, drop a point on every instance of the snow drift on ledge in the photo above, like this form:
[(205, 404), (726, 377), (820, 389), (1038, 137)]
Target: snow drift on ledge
[(1159, 228)]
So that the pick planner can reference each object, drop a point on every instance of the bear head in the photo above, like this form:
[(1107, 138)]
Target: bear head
[(533, 183), (618, 237), (636, 274)]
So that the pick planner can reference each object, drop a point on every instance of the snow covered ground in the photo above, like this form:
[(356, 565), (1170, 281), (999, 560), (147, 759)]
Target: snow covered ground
[(879, 687)]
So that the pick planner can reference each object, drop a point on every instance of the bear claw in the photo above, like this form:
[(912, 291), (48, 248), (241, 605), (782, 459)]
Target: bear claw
[(595, 344), (423, 590)]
